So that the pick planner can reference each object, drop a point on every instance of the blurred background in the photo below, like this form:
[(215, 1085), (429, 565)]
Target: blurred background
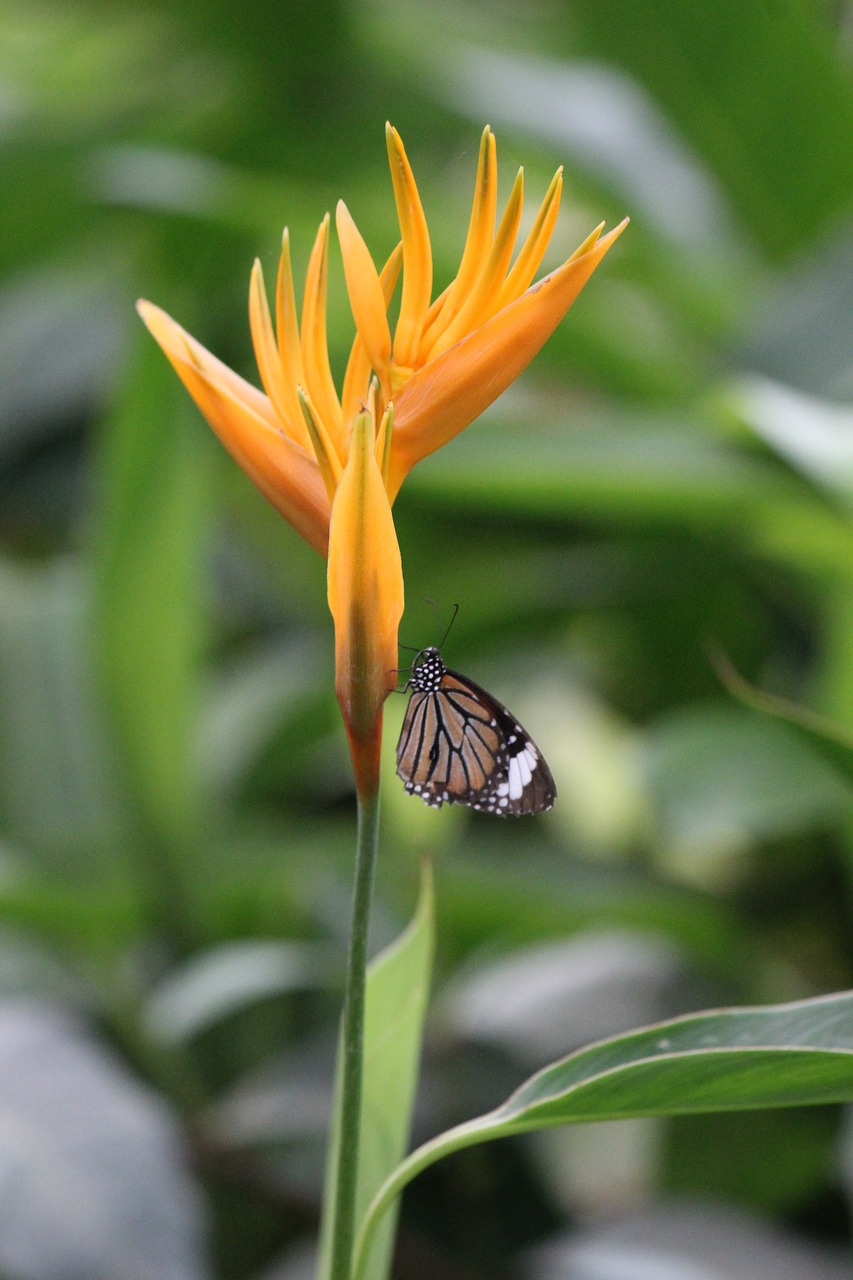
[(675, 471)]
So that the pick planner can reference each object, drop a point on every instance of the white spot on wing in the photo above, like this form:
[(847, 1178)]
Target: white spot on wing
[(516, 781)]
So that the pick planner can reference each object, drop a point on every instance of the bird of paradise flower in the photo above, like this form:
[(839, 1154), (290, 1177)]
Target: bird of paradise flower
[(333, 465)]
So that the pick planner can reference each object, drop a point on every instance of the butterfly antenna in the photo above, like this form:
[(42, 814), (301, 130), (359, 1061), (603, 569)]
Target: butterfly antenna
[(449, 625), (410, 648)]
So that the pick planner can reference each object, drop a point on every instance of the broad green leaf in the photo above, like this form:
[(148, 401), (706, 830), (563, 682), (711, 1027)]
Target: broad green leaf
[(396, 1000), (150, 530), (724, 778), (639, 472), (223, 980), (753, 89), (832, 741), (723, 1060), (640, 468), (812, 433)]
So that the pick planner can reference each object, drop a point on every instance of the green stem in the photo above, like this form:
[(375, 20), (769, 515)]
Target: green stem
[(352, 1046)]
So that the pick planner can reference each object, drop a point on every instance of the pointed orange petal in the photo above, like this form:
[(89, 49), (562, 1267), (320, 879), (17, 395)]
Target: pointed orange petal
[(315, 349), (322, 444), (477, 244), (382, 447), (365, 585), (441, 399), (417, 253), (287, 324), (533, 250), (244, 420), (370, 406), (356, 380), (282, 394), (435, 309), (591, 240), (357, 375), (478, 306), (365, 293)]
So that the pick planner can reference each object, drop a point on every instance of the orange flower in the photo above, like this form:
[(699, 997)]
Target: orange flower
[(333, 465)]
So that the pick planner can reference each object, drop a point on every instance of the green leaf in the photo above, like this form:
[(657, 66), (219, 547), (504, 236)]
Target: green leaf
[(724, 1060), (832, 741), (751, 88), (813, 434), (637, 468), (723, 777), (396, 1001), (150, 534), (223, 980)]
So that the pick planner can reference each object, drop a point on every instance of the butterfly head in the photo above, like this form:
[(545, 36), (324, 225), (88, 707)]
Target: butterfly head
[(427, 671)]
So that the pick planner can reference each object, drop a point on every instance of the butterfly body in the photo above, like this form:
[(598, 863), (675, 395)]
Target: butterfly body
[(459, 745)]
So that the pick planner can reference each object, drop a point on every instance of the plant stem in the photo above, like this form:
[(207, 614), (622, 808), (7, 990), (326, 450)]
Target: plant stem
[(345, 1184)]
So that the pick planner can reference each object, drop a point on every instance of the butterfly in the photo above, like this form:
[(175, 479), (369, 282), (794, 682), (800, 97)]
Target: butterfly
[(459, 745)]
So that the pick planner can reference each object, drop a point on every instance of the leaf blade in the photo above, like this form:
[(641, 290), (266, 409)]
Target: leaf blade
[(721, 1060), (832, 741)]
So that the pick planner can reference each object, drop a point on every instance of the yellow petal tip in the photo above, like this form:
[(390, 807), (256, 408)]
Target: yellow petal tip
[(342, 215), (618, 229), (152, 316)]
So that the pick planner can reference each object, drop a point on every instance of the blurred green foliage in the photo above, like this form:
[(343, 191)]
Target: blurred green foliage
[(675, 470)]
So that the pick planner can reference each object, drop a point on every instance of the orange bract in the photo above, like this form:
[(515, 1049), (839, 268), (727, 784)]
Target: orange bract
[(365, 585)]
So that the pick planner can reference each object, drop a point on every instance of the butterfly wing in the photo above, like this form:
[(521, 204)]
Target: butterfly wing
[(459, 745)]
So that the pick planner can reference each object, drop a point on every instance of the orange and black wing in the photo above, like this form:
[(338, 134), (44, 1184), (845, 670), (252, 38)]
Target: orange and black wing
[(459, 745)]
